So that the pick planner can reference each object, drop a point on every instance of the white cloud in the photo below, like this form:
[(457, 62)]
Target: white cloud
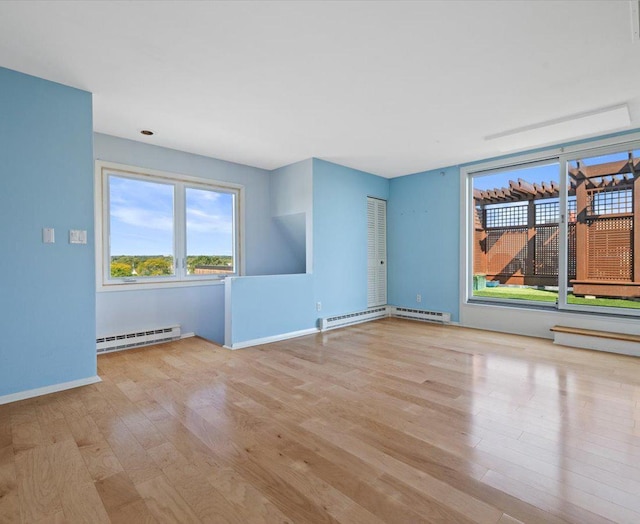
[(143, 218), (196, 196), (203, 222)]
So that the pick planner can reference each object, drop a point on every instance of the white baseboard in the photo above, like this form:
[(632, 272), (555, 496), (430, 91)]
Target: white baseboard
[(30, 393), (187, 335), (275, 338)]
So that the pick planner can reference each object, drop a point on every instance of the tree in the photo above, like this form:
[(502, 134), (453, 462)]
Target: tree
[(208, 260), (120, 269), (154, 267)]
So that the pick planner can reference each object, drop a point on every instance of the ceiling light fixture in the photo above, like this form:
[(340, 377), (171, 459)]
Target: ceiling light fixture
[(563, 129), (146, 132)]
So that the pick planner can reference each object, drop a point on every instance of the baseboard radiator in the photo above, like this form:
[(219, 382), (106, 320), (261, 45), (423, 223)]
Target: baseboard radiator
[(420, 314), (136, 339), (381, 312), (353, 318)]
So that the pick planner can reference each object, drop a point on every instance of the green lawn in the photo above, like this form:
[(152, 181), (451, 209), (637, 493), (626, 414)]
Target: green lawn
[(523, 293)]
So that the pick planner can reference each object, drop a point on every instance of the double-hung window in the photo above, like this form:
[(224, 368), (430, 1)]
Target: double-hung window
[(156, 228), (558, 230)]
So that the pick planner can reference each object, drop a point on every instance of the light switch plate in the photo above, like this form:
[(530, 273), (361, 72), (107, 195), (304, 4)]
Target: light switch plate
[(48, 235), (77, 236)]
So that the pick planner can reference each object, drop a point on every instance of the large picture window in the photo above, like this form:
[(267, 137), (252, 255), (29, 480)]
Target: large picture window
[(604, 229), (158, 228), (561, 232), (516, 231)]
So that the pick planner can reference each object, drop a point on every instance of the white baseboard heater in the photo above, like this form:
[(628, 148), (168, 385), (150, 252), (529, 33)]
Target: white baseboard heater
[(381, 312), (353, 318), (136, 339), (420, 314)]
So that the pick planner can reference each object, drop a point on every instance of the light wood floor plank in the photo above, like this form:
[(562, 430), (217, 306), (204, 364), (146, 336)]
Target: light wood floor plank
[(9, 500), (390, 421), (164, 502), (39, 499)]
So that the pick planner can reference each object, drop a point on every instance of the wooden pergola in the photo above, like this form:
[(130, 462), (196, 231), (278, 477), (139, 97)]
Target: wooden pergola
[(515, 245)]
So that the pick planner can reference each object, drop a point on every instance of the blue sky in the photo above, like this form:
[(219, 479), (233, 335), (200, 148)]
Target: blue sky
[(532, 175), (209, 222), (539, 174), (141, 221)]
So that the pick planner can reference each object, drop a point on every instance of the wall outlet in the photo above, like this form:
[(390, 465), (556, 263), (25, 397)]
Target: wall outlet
[(318, 306), (418, 298)]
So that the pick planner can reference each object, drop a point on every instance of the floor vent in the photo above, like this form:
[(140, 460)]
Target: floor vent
[(137, 339), (353, 318), (421, 314)]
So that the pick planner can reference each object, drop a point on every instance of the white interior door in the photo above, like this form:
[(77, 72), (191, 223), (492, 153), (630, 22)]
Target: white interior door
[(376, 252)]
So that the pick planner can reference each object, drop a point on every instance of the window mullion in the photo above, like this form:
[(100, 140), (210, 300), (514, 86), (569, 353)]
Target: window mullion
[(180, 237), (563, 244), (106, 229)]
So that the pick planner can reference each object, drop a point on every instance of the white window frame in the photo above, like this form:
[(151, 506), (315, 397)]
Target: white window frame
[(180, 182), (562, 155)]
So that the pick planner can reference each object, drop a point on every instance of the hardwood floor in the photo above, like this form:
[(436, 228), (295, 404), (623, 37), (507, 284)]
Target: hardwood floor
[(390, 421)]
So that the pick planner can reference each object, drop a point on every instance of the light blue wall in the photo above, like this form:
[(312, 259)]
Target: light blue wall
[(267, 306), (340, 235), (290, 242), (423, 240), (198, 309), (47, 291), (292, 211)]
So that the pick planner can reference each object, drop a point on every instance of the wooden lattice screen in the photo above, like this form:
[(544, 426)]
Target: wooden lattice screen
[(507, 251), (609, 249), (547, 249), (480, 252), (571, 251)]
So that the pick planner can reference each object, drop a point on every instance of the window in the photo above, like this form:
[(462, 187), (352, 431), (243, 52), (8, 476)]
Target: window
[(515, 248), (160, 228), (604, 231), (559, 232)]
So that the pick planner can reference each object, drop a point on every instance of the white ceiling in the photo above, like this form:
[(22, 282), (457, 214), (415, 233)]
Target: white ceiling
[(387, 87)]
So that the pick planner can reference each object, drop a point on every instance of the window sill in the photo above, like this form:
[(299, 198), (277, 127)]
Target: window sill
[(572, 309), (521, 304), (139, 286)]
